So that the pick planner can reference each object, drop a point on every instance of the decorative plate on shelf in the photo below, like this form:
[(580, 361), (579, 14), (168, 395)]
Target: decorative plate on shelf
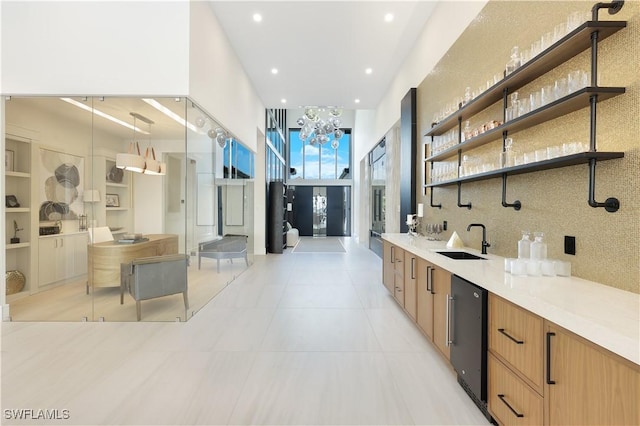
[(115, 175), (15, 282)]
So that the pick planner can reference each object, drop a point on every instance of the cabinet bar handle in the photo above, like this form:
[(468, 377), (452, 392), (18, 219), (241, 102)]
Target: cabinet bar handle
[(501, 330), (549, 381), (431, 279), (501, 396), (393, 255), (429, 284), (413, 261), (449, 307)]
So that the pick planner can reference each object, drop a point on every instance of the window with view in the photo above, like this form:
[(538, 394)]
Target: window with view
[(320, 161)]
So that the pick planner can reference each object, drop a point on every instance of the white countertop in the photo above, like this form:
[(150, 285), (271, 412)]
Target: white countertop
[(607, 316), (63, 234)]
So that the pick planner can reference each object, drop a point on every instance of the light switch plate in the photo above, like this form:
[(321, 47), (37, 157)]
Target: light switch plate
[(569, 245)]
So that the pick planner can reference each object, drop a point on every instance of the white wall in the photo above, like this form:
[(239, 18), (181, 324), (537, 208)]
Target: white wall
[(97, 47), (217, 81), (448, 20)]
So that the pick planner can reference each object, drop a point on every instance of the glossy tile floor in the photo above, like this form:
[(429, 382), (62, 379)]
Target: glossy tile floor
[(299, 338)]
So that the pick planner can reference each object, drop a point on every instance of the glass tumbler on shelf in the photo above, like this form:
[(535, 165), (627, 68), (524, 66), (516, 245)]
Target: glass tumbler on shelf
[(576, 80), (574, 20), (547, 95), (523, 108), (560, 88), (534, 101), (559, 31)]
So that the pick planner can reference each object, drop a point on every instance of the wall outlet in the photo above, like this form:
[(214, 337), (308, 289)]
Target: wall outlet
[(569, 245)]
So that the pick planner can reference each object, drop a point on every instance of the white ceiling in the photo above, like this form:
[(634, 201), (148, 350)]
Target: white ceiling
[(322, 48)]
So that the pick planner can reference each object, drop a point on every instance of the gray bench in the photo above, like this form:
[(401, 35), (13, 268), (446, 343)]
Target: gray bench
[(227, 247)]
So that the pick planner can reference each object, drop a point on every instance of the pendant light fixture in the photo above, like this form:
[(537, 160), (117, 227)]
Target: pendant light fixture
[(132, 160), (152, 166)]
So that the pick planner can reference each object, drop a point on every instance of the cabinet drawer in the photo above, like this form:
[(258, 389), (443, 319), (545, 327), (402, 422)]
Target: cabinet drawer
[(516, 336), (511, 401)]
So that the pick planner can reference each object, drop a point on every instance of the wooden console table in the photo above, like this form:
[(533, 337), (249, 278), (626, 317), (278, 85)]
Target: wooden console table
[(104, 259)]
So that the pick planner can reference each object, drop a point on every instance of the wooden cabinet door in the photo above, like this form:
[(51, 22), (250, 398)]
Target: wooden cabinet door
[(424, 296), (510, 400), (591, 386), (398, 263), (410, 269), (388, 266), (442, 289), (516, 336)]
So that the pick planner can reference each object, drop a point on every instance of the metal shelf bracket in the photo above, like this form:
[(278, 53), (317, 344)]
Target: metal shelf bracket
[(517, 205), (437, 206), (468, 205)]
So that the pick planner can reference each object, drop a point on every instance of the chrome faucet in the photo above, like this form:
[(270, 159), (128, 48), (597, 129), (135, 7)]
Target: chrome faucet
[(485, 244)]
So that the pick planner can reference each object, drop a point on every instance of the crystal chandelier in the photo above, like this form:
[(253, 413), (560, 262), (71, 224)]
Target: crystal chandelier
[(317, 129)]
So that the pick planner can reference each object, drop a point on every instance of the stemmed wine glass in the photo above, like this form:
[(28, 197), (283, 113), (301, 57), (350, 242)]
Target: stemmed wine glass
[(430, 231), (438, 230)]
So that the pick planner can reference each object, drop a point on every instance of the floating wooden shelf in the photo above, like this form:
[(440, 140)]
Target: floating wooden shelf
[(575, 42), (563, 106), (554, 163)]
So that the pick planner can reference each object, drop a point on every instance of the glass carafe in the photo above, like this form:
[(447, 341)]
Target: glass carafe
[(524, 246), (538, 247), (507, 156), (466, 131), (514, 62), (512, 110)]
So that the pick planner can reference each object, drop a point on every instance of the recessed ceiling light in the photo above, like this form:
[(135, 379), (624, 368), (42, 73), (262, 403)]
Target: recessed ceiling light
[(257, 17), (284, 101), (357, 101), (388, 17), (274, 70), (368, 70)]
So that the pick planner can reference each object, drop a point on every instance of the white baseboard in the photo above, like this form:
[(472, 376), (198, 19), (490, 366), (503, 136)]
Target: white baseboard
[(5, 312)]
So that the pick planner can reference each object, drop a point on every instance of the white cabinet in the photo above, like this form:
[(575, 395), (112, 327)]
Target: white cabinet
[(62, 257)]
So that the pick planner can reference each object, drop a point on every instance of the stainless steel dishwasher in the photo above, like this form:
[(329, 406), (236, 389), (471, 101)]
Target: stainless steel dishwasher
[(468, 338)]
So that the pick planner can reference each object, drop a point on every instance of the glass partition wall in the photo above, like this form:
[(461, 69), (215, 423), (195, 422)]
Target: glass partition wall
[(123, 211)]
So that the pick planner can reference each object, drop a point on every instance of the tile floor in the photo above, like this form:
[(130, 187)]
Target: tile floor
[(299, 338)]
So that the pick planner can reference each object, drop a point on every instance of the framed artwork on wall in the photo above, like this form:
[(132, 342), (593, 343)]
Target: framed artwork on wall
[(112, 200), (60, 181)]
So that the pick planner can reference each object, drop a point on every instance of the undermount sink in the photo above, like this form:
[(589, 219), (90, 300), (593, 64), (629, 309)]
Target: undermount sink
[(460, 255)]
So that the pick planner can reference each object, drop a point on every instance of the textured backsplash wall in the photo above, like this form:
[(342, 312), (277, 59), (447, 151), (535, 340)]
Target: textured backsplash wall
[(553, 201)]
